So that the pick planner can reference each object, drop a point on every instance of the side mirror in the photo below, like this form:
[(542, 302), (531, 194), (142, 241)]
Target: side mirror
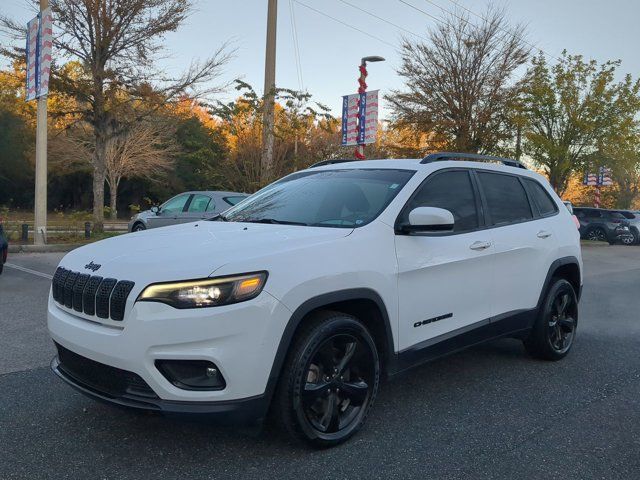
[(429, 219), (155, 209)]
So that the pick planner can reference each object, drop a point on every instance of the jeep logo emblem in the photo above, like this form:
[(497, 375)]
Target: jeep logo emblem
[(92, 266)]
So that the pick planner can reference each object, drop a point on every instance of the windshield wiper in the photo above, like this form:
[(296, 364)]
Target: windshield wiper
[(274, 221), (219, 217)]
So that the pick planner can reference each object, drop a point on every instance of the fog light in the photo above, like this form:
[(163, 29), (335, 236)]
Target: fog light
[(192, 374)]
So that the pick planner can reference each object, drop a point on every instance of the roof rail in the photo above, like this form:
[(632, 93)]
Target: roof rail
[(471, 157), (331, 162)]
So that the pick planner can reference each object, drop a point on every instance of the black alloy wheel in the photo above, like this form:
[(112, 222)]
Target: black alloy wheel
[(329, 385), (554, 331), (597, 235), (628, 239), (562, 322)]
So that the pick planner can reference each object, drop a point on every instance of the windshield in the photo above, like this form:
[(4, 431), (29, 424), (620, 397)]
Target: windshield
[(326, 198)]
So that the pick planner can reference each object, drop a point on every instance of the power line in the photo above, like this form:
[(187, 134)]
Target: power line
[(382, 19), (485, 19), (296, 45), (437, 19), (345, 24)]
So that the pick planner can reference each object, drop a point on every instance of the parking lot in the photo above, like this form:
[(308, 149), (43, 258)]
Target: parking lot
[(490, 412)]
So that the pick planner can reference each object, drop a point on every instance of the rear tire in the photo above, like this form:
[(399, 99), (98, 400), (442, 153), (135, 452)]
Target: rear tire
[(554, 330), (138, 227), (597, 234), (329, 381)]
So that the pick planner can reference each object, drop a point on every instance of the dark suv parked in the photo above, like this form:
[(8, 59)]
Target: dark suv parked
[(603, 225), (633, 218)]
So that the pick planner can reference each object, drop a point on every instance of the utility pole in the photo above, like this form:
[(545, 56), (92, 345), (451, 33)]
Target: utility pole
[(40, 213), (268, 120)]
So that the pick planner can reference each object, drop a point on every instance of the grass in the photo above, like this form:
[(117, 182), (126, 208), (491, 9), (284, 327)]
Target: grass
[(62, 227)]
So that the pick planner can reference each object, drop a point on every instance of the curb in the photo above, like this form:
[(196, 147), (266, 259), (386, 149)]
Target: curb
[(591, 243), (63, 247)]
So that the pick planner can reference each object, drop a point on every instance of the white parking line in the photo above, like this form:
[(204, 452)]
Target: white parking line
[(28, 270)]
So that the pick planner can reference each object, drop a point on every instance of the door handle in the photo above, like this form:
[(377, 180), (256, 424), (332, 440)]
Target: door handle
[(544, 234), (480, 245)]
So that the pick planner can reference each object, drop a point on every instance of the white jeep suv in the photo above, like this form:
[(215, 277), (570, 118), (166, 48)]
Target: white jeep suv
[(296, 301)]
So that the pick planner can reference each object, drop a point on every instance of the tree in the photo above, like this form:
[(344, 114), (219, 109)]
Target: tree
[(623, 155), (296, 116), (459, 82), (571, 111), (199, 164), (16, 170), (145, 150), (117, 43)]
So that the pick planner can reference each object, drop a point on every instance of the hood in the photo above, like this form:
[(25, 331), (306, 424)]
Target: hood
[(192, 250), (143, 214)]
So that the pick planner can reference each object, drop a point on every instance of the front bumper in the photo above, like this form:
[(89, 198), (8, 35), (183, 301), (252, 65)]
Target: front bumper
[(240, 339), (247, 410)]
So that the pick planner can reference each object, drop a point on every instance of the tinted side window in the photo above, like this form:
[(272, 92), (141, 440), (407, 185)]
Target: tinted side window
[(233, 200), (452, 191), (199, 203), (506, 199), (176, 204), (543, 200)]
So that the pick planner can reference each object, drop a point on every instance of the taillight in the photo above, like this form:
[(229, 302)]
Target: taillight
[(576, 221)]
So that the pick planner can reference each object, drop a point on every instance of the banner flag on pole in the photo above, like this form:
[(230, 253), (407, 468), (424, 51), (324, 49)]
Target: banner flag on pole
[(39, 43), (349, 120), (359, 118), (601, 179), (45, 42), (32, 59), (604, 177), (371, 117)]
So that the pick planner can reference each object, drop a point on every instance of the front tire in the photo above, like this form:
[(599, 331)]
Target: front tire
[(554, 330), (329, 381), (138, 227)]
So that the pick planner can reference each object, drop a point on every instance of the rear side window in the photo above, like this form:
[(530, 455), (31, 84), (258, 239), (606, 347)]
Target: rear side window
[(233, 200), (452, 191), (199, 203), (546, 205), (506, 199)]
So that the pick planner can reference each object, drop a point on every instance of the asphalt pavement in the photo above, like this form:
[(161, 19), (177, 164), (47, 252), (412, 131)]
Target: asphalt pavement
[(490, 412)]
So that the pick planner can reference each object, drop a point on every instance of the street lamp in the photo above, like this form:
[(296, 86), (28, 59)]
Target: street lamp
[(362, 88)]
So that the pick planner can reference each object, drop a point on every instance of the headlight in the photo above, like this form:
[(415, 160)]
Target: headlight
[(209, 292)]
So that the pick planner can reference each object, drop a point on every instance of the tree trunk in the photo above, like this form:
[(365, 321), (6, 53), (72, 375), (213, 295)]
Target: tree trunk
[(99, 176), (113, 198), (518, 142)]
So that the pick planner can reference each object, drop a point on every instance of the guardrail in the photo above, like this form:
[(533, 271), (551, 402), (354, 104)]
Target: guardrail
[(23, 231)]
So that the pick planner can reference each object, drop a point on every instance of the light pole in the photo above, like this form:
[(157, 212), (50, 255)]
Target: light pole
[(40, 203), (362, 88)]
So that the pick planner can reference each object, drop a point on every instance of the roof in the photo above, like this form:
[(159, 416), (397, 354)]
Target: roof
[(217, 193)]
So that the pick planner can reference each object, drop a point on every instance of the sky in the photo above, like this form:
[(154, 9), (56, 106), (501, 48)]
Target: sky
[(330, 48)]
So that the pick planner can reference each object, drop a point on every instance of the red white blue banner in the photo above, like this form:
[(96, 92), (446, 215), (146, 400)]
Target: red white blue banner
[(32, 59), (350, 119), (44, 51), (39, 44), (600, 179), (604, 177), (359, 118)]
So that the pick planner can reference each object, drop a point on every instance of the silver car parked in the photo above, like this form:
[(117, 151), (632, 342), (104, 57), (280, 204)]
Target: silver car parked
[(185, 207)]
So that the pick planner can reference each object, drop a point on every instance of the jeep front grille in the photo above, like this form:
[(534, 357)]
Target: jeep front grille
[(93, 295)]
